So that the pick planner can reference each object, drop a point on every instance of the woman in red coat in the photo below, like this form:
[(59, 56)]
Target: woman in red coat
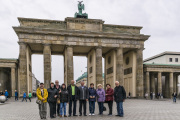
[(109, 97)]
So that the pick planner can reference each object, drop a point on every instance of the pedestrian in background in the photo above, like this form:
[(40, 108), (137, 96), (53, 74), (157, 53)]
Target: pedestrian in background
[(100, 98), (146, 95), (174, 95), (52, 96), (6, 94), (92, 99), (42, 95), (153, 95), (109, 97), (24, 96), (30, 96), (16, 95)]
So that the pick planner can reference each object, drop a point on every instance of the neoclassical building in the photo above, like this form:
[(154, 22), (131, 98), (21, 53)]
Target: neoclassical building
[(8, 75), (9, 72), (121, 46), (161, 73)]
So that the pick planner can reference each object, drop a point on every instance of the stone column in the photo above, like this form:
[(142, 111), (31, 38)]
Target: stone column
[(22, 78), (147, 83), (170, 84), (13, 81), (174, 83), (167, 86), (177, 87), (119, 66), (70, 68), (139, 73), (152, 83), (105, 72), (47, 65), (159, 82), (99, 79)]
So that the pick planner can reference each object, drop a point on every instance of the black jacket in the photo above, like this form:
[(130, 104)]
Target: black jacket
[(119, 94), (64, 96), (83, 93), (51, 93), (174, 95), (58, 89), (70, 92)]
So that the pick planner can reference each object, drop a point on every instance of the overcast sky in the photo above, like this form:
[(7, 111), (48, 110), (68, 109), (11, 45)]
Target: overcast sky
[(159, 18)]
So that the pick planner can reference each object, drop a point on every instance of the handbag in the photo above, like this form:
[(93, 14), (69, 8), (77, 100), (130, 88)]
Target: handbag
[(58, 101), (39, 102), (104, 108)]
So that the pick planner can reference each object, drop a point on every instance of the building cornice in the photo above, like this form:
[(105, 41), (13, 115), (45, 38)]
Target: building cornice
[(78, 33)]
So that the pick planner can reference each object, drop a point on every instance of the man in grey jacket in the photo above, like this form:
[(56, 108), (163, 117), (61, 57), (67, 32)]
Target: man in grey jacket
[(83, 97)]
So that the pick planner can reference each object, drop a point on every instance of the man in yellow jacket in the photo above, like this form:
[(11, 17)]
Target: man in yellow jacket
[(42, 95)]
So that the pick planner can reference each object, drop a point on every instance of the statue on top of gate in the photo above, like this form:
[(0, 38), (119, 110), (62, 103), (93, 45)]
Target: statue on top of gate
[(80, 14)]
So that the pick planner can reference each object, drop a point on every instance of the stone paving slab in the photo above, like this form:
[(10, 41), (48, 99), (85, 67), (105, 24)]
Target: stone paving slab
[(135, 109)]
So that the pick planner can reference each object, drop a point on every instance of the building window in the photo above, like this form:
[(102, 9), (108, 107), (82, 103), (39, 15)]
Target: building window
[(170, 59), (176, 59)]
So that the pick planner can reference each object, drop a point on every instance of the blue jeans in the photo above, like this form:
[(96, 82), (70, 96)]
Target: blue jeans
[(120, 108), (91, 107), (174, 99), (63, 105), (100, 107)]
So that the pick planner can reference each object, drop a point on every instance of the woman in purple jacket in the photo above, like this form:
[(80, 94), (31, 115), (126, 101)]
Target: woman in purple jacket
[(100, 98)]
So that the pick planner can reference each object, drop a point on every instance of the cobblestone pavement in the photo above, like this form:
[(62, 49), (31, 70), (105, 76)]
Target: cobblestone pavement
[(135, 109)]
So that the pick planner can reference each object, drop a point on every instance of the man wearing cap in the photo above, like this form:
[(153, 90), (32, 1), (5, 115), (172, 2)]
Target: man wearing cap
[(42, 95)]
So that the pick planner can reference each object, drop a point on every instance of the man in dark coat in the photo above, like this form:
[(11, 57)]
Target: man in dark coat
[(73, 92), (52, 98), (83, 97), (119, 97), (58, 88)]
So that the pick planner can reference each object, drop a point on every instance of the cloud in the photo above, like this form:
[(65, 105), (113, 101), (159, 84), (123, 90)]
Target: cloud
[(159, 18)]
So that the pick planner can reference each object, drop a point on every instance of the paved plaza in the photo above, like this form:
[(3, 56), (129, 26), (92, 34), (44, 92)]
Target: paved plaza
[(135, 109)]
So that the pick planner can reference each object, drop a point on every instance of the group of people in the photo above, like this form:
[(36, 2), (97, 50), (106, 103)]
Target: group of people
[(160, 96), (6, 94), (59, 96), (25, 96)]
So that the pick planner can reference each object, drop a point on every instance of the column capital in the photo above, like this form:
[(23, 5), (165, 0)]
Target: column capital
[(46, 44), (98, 47), (120, 47), (13, 67), (22, 43), (69, 46), (141, 48)]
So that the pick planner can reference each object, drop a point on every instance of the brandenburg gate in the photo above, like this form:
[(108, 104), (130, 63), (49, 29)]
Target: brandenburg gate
[(121, 46)]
